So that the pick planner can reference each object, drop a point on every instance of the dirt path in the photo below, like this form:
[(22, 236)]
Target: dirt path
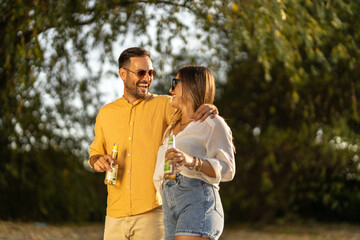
[(295, 232), (41, 231)]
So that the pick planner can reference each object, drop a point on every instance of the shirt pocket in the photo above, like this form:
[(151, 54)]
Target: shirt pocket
[(217, 202)]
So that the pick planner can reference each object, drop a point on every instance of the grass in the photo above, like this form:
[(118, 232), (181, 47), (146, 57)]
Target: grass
[(94, 231), (305, 231)]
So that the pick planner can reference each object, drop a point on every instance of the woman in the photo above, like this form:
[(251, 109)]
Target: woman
[(204, 157)]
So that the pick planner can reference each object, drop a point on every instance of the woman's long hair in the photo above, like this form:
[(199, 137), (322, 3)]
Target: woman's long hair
[(198, 87)]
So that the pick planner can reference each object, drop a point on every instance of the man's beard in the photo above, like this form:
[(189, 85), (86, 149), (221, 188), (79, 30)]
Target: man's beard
[(135, 92)]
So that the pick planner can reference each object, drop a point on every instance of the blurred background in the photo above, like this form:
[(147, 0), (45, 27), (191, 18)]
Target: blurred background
[(287, 76)]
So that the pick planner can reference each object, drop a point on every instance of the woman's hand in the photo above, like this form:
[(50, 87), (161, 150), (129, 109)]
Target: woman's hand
[(179, 158)]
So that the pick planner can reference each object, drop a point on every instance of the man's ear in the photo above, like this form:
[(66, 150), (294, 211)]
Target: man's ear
[(122, 74)]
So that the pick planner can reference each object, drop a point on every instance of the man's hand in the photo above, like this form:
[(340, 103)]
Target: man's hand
[(205, 111), (101, 163)]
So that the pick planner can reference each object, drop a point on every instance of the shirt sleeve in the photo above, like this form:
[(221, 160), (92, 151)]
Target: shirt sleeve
[(220, 152), (97, 147)]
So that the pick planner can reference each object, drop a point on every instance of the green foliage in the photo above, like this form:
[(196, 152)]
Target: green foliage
[(293, 160), (287, 72), (49, 98), (54, 188), (292, 73), (305, 36)]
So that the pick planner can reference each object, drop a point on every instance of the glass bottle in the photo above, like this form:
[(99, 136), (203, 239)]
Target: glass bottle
[(110, 177), (169, 171)]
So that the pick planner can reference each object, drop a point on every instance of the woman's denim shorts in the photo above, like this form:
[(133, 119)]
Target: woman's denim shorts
[(191, 207)]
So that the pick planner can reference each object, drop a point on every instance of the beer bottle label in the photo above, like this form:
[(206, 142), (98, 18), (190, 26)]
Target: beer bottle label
[(167, 167), (111, 176)]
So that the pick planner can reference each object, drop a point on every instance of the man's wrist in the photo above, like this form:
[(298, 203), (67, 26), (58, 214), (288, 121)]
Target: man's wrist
[(93, 160)]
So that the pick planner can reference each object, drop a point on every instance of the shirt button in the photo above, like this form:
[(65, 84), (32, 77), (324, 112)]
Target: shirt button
[(129, 138), (128, 187), (128, 154), (130, 123), (128, 171)]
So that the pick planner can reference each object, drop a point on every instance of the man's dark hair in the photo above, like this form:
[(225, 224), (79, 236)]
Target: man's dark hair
[(125, 56)]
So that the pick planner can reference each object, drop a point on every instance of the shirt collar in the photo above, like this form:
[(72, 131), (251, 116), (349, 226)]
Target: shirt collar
[(137, 102)]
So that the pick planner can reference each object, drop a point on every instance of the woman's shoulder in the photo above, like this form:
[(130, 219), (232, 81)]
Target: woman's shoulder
[(216, 121), (216, 124)]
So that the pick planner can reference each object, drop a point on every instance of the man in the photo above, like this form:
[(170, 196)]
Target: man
[(136, 122)]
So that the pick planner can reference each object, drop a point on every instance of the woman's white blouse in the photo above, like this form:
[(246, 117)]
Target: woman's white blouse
[(210, 140)]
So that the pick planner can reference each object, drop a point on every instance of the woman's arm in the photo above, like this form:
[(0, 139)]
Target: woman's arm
[(180, 158), (219, 163)]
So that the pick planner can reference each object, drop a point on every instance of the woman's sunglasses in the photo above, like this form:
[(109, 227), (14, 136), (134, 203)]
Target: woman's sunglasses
[(141, 73), (174, 82)]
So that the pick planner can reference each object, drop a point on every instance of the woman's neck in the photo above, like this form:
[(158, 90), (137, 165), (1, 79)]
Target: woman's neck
[(186, 115)]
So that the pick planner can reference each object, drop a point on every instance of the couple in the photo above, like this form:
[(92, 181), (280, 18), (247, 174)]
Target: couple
[(140, 123)]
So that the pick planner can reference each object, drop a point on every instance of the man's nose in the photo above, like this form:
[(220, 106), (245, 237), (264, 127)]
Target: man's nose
[(147, 76)]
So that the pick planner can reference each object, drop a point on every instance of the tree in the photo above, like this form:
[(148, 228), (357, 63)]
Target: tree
[(47, 110), (289, 66), (292, 78)]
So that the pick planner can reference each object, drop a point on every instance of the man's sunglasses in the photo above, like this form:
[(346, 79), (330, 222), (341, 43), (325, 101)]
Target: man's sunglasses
[(174, 82), (141, 73)]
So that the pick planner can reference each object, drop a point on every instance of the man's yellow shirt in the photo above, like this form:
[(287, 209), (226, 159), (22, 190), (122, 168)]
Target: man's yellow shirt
[(138, 130)]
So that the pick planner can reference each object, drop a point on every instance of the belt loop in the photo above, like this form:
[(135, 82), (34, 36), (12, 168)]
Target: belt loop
[(162, 184), (177, 178)]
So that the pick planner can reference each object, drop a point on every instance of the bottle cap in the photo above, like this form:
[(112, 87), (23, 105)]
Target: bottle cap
[(115, 147)]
